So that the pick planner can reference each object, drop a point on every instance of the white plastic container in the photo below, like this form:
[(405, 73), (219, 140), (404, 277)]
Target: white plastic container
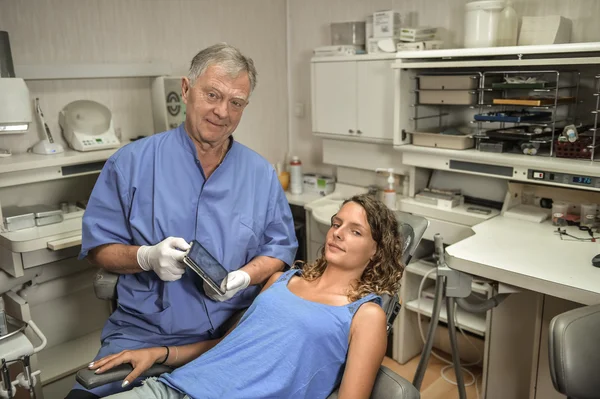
[(368, 28), (389, 194), (296, 178), (508, 26), (481, 23)]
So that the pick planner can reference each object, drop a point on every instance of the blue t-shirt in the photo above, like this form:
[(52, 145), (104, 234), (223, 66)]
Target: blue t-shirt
[(283, 347), (155, 188)]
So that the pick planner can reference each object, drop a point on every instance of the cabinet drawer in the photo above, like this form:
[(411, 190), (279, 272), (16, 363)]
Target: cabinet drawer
[(448, 82), (15, 262), (457, 97), (43, 256)]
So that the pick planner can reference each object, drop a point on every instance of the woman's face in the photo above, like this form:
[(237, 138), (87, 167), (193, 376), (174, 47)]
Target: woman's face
[(349, 243)]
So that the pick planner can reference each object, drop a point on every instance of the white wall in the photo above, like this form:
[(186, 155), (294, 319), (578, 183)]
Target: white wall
[(137, 31), (121, 31), (309, 28)]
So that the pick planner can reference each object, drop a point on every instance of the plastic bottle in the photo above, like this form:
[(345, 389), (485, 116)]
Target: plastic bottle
[(508, 26), (405, 186), (389, 194), (296, 175)]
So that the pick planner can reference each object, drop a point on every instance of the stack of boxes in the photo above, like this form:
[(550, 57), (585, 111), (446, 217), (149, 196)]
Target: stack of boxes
[(384, 34)]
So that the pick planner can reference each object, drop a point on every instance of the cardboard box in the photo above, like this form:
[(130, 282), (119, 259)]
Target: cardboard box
[(550, 29), (386, 24), (417, 34), (416, 46), (372, 46)]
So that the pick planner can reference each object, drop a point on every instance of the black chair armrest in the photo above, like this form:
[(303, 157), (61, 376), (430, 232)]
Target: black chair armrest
[(90, 380), (389, 385), (105, 285)]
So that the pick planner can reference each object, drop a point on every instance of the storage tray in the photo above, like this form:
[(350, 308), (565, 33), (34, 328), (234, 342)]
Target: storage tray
[(448, 82), (581, 149), (450, 97), (453, 142), (493, 146), (513, 116), (529, 86), (533, 101), (516, 133)]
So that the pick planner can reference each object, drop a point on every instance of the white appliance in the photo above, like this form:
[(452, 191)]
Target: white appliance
[(15, 106), (168, 109), (87, 126)]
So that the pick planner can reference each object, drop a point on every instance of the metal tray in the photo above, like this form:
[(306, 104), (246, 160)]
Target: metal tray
[(432, 139), (531, 86), (533, 101), (514, 134), (513, 116), (15, 326)]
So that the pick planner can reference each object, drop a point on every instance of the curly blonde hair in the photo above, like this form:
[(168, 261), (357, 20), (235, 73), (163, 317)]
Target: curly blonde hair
[(383, 273)]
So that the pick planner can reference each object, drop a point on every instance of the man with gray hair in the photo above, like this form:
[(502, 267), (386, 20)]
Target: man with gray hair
[(195, 182)]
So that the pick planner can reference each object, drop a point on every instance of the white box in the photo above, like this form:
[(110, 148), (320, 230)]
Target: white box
[(551, 29), (372, 46), (417, 46), (386, 24), (410, 46), (434, 44), (417, 34), (422, 38), (439, 201), (328, 51)]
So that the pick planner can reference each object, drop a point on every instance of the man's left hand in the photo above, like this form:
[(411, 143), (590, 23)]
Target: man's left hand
[(236, 281)]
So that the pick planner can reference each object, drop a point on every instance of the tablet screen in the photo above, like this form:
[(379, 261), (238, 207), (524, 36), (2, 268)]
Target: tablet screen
[(209, 265)]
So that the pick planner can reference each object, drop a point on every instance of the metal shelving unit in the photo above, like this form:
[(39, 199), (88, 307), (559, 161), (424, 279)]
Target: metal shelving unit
[(417, 103), (533, 136), (595, 112)]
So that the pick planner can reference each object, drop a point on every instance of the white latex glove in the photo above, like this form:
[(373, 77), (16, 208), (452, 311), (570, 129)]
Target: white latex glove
[(165, 258), (236, 281)]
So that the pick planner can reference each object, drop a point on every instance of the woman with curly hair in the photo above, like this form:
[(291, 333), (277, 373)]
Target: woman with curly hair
[(310, 330)]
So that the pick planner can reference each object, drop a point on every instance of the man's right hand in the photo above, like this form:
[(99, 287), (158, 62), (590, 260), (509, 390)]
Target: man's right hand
[(165, 258)]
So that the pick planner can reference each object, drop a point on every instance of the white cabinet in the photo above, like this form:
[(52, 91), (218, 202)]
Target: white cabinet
[(353, 99)]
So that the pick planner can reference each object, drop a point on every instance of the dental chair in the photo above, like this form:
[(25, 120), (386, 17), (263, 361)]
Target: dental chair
[(574, 352), (388, 384)]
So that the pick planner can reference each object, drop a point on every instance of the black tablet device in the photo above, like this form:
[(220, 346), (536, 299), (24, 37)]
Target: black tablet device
[(207, 267)]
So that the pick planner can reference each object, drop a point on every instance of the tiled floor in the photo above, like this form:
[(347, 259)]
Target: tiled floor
[(434, 386)]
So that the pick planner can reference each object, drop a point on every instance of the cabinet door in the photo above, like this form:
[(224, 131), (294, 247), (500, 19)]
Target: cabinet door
[(375, 98), (334, 97)]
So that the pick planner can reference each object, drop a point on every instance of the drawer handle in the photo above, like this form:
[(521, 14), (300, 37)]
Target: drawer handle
[(63, 243), (350, 131), (359, 132)]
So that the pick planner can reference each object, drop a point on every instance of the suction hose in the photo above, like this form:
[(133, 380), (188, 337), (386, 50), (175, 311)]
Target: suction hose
[(460, 381), (483, 306), (435, 315)]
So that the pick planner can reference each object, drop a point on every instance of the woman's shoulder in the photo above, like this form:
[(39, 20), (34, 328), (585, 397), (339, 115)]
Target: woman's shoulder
[(368, 315), (279, 276)]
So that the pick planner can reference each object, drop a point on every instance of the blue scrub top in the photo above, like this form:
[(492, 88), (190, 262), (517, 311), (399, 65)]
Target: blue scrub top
[(155, 188)]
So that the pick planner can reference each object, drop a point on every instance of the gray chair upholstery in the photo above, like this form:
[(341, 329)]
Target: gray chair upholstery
[(574, 352), (388, 385)]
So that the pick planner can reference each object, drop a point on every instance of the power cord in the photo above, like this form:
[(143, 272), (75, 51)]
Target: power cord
[(448, 362), (563, 233)]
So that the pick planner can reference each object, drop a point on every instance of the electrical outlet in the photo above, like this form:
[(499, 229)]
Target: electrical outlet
[(299, 110)]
